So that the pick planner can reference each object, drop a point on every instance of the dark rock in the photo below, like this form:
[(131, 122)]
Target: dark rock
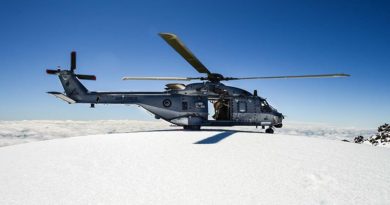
[(359, 139), (383, 136)]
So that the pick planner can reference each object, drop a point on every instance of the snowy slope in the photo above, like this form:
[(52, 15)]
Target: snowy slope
[(184, 167)]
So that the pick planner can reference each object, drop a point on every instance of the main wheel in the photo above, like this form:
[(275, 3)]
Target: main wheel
[(269, 131), (191, 127)]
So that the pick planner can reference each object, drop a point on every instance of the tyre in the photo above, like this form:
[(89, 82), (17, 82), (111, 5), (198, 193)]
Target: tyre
[(191, 127), (269, 131)]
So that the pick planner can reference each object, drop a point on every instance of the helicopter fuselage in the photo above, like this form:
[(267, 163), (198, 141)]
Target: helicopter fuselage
[(183, 105)]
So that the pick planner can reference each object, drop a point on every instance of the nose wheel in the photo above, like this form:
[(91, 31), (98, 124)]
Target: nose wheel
[(269, 130)]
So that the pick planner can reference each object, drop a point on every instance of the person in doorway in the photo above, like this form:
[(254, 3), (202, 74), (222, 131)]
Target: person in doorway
[(221, 107)]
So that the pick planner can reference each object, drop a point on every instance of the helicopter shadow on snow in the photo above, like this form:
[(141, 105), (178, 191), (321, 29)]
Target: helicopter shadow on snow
[(214, 139)]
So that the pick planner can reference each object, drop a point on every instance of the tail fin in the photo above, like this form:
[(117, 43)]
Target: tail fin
[(74, 89)]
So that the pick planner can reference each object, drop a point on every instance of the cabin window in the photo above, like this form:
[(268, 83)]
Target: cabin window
[(184, 105), (241, 106)]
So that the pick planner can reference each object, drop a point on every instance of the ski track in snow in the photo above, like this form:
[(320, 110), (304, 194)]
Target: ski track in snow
[(16, 132)]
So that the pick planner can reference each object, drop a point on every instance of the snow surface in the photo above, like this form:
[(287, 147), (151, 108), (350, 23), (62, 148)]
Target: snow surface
[(185, 167), (16, 132)]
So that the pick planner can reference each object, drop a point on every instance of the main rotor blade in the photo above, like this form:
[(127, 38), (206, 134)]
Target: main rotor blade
[(337, 75), (179, 46), (159, 78)]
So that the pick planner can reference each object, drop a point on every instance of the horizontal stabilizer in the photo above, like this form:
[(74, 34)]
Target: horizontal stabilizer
[(62, 97)]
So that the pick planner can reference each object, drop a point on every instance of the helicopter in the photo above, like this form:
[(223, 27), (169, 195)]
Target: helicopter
[(185, 105)]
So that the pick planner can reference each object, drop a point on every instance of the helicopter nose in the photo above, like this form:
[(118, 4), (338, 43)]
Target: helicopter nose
[(280, 116), (278, 119)]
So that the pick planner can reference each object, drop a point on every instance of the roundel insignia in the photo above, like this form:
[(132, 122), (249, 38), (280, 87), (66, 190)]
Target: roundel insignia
[(167, 103)]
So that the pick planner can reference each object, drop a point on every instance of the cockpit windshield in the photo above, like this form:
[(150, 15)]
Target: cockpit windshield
[(264, 106)]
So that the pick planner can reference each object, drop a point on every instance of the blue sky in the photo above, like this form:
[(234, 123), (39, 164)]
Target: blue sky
[(235, 38)]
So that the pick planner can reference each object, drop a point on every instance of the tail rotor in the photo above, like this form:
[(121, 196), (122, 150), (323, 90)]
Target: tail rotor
[(71, 70)]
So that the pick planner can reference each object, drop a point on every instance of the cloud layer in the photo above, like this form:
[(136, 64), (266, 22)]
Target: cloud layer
[(16, 132)]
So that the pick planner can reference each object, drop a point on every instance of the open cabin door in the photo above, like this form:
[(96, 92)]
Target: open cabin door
[(220, 109)]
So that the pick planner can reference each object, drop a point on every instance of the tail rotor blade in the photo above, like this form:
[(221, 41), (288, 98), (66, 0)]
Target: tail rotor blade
[(72, 61), (85, 77), (52, 72)]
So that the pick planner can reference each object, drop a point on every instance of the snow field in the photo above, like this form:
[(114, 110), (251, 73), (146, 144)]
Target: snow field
[(184, 167)]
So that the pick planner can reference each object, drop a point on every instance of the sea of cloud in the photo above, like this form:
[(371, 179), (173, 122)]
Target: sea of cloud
[(16, 132)]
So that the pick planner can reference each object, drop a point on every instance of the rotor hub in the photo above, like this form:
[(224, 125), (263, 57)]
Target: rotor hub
[(215, 77)]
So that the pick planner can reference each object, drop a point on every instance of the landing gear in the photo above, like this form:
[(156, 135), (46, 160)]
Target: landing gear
[(191, 127), (269, 131)]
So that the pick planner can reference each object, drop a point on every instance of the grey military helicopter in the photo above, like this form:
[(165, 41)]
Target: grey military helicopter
[(185, 105)]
